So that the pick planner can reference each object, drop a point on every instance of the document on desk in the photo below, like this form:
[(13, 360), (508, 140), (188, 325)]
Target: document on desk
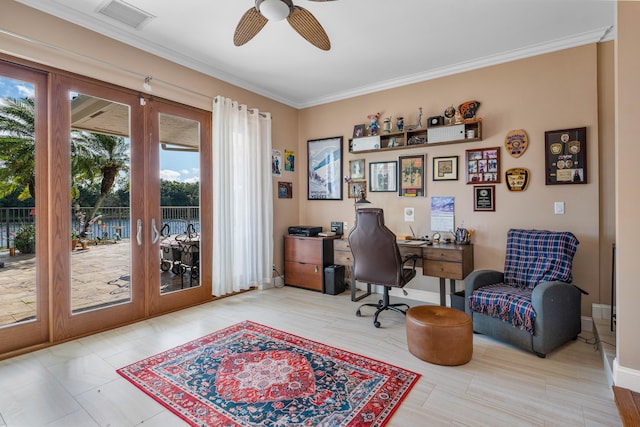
[(411, 242)]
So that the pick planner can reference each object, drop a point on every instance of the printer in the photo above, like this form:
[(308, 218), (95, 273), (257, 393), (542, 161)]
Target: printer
[(304, 230)]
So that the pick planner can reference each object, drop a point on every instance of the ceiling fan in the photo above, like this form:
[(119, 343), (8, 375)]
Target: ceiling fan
[(276, 10)]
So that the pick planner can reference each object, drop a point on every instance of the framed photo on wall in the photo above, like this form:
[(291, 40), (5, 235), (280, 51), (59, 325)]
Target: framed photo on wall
[(324, 160), (484, 198), (445, 168), (357, 189), (566, 156), (356, 169), (383, 176), (483, 165), (411, 176)]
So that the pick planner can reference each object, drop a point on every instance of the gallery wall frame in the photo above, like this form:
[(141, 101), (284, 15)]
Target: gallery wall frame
[(383, 176), (445, 168), (411, 175), (484, 198), (483, 165), (357, 189), (566, 156), (324, 162), (356, 169)]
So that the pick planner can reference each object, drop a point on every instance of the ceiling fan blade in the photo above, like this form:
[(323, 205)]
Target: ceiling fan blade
[(308, 27), (250, 24), (321, 0)]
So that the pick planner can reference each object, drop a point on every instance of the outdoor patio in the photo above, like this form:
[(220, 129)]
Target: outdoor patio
[(100, 277)]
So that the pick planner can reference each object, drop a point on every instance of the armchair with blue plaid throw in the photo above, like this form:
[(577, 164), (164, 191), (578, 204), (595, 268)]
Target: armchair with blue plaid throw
[(532, 304)]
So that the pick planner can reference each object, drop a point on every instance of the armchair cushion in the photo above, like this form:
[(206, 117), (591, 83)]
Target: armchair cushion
[(509, 303), (535, 256)]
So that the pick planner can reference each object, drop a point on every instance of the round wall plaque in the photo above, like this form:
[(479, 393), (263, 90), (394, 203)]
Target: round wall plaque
[(516, 142)]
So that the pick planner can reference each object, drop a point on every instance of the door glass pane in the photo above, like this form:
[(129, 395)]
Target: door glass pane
[(179, 203), (100, 240), (18, 288)]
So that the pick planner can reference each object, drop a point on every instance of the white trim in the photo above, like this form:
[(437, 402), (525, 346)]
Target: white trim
[(601, 311), (586, 323), (626, 377)]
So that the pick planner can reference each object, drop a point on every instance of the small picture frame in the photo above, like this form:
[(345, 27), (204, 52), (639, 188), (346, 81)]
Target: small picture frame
[(356, 169), (383, 176), (445, 168), (411, 176), (484, 198), (285, 190), (358, 130), (357, 189), (566, 156), (483, 165)]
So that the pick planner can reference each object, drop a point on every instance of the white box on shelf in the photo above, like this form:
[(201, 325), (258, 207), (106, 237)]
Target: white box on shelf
[(365, 143), (445, 133)]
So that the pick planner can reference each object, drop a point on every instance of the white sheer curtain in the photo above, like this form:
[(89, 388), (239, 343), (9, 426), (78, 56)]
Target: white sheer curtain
[(242, 197)]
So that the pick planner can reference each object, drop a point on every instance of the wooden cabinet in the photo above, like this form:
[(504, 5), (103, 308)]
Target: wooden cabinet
[(447, 261), (439, 135), (305, 259)]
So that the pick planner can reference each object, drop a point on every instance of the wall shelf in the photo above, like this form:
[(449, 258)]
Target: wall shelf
[(417, 138)]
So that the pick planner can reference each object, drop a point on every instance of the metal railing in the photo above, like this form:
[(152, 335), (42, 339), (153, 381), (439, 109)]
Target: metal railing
[(114, 222)]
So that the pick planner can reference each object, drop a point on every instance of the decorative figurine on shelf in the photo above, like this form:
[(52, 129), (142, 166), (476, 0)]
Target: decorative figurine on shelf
[(458, 117), (373, 124), (400, 124), (386, 125), (419, 118), (468, 109), (449, 114)]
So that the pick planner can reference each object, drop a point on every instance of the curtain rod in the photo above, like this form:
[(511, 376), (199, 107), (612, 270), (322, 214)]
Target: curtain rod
[(263, 115), (101, 62)]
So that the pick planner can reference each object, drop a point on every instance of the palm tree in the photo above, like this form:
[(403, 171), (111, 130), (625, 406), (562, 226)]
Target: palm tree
[(99, 157), (17, 147)]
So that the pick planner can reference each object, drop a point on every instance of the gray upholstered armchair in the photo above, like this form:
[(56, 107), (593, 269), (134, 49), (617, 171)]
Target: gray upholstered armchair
[(532, 304)]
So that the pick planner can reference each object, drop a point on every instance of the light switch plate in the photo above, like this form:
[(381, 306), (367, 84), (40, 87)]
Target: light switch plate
[(408, 214), (558, 208)]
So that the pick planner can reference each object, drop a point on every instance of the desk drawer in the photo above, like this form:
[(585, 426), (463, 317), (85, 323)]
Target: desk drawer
[(343, 258), (448, 270), (309, 276), (438, 254), (309, 250), (341, 245)]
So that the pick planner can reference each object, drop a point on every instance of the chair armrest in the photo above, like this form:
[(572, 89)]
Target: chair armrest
[(546, 294), (480, 278), (413, 258)]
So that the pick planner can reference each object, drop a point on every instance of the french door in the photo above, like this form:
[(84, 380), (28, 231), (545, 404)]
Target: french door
[(103, 161), (24, 297)]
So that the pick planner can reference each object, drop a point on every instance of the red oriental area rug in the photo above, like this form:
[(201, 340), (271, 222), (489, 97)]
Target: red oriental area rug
[(252, 375)]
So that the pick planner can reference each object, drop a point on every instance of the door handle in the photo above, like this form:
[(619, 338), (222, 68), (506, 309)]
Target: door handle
[(139, 233), (155, 236)]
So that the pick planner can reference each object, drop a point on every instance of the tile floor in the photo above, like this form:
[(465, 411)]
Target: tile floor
[(75, 383)]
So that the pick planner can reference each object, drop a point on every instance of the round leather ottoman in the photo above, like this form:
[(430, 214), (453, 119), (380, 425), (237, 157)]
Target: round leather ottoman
[(440, 335)]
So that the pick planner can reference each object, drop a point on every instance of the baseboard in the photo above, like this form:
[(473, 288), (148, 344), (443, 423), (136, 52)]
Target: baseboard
[(418, 295), (275, 282), (601, 311), (626, 377), (586, 323)]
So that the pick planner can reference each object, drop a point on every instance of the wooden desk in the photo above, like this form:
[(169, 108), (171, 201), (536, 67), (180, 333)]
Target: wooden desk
[(445, 260)]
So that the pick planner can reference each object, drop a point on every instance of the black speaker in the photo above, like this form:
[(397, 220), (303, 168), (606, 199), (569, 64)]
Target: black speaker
[(336, 227), (334, 279)]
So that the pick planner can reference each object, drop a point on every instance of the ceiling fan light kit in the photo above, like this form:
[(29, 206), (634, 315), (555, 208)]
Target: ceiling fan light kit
[(300, 19), (274, 10)]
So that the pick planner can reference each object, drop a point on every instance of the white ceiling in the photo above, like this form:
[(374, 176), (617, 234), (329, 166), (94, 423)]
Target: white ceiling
[(375, 44)]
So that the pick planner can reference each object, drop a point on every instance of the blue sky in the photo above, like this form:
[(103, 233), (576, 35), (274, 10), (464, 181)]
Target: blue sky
[(174, 165)]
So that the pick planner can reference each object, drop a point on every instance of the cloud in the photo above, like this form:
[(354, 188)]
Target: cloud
[(170, 175), (192, 180), (25, 90)]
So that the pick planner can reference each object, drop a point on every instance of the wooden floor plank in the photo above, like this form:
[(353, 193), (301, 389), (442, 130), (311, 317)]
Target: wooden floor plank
[(628, 403)]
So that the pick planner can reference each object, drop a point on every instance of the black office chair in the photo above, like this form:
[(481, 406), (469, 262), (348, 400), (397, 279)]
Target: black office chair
[(376, 259)]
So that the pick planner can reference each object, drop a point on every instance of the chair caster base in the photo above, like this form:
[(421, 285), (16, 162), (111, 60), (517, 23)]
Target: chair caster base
[(376, 324), (358, 314)]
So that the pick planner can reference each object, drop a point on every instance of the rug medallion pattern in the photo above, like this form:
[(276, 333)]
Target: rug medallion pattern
[(252, 375)]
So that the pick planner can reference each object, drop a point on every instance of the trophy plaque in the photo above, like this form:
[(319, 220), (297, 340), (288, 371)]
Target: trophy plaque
[(517, 179), (516, 142)]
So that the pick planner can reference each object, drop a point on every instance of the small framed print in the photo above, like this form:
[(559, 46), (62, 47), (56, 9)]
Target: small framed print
[(358, 130), (445, 168), (357, 189), (411, 176), (566, 156), (484, 198), (383, 176), (483, 165), (356, 169), (285, 190)]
